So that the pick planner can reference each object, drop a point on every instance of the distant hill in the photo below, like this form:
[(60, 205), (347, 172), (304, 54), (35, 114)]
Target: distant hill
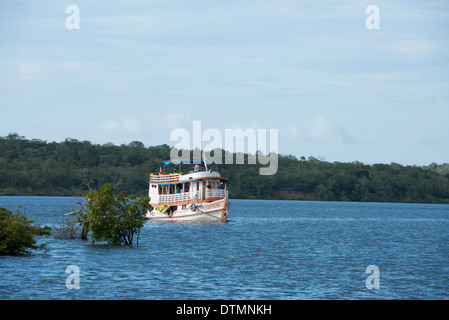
[(36, 167)]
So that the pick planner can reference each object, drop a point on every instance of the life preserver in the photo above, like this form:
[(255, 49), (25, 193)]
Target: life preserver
[(193, 207), (224, 215)]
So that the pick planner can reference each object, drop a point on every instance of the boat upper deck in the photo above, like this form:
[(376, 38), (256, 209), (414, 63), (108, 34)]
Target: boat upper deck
[(182, 178), (179, 188)]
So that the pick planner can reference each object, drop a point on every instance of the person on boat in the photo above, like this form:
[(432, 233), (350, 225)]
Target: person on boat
[(221, 186), (197, 168)]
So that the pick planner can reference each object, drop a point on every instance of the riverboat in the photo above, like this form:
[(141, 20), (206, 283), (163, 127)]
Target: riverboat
[(199, 195)]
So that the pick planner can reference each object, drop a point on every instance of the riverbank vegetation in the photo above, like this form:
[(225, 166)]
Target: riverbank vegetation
[(36, 167), (17, 234)]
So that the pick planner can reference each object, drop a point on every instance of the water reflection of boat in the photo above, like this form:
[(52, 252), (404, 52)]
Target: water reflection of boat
[(200, 195)]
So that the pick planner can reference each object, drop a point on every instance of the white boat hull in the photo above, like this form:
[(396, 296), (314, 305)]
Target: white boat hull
[(202, 211)]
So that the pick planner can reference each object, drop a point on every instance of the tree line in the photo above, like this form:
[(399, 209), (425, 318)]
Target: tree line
[(36, 167)]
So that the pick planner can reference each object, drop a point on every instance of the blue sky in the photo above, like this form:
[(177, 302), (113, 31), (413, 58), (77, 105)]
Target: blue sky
[(136, 70)]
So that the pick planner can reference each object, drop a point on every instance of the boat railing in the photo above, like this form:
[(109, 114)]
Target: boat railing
[(216, 193), (189, 197), (162, 177), (179, 197)]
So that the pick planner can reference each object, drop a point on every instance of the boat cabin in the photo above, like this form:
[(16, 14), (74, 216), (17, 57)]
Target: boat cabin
[(177, 190)]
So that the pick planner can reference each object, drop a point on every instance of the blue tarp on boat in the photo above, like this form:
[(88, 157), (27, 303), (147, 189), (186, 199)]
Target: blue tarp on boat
[(187, 161)]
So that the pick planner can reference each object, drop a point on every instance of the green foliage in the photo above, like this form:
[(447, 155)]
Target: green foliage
[(114, 218), (315, 179), (35, 167), (440, 168), (17, 233)]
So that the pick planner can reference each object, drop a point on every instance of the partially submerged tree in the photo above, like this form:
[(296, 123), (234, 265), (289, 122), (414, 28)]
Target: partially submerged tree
[(68, 228), (17, 234), (114, 218)]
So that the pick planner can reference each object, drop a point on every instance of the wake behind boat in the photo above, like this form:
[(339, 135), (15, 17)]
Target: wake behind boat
[(200, 195)]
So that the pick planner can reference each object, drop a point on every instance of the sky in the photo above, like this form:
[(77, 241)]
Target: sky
[(334, 88)]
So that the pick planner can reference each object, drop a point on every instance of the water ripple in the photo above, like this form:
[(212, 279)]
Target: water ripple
[(268, 250)]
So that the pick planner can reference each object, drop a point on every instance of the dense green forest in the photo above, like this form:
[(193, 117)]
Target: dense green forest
[(36, 167)]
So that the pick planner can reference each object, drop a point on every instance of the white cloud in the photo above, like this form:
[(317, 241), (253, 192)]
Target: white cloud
[(318, 128), (413, 46), (291, 132), (30, 67), (324, 129), (131, 125), (125, 125), (109, 126)]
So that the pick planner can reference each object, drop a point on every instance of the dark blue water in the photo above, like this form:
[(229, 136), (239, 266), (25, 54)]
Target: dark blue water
[(268, 250)]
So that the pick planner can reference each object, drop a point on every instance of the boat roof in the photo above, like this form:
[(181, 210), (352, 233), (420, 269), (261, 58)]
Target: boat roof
[(177, 178), (187, 161)]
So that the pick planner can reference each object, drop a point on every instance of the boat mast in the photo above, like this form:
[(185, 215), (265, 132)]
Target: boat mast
[(204, 157)]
